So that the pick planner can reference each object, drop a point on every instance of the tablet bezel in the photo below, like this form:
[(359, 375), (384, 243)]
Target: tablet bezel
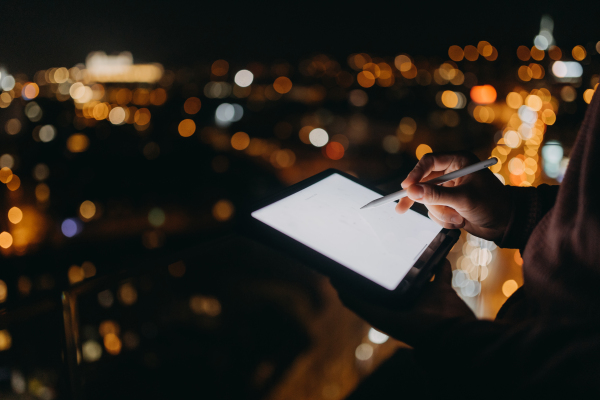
[(419, 273)]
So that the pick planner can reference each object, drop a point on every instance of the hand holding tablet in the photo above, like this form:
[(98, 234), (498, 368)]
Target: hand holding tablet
[(375, 250)]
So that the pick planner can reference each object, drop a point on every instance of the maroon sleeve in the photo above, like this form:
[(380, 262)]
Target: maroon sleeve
[(528, 205), (496, 358)]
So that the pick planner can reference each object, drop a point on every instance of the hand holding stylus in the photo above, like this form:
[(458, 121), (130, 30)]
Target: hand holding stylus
[(478, 202)]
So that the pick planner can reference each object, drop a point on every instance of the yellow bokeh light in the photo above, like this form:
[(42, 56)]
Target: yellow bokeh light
[(509, 287), (42, 192), (523, 53), (6, 240), (422, 149), (534, 102), (187, 127), (15, 215), (158, 96), (282, 85), (112, 343), (514, 100), (579, 53), (407, 126), (403, 63), (223, 210), (449, 99), (142, 116), (587, 95), (101, 111), (283, 158), (127, 294), (75, 274), (78, 143), (365, 79), (240, 140), (89, 269), (484, 48), (3, 291), (372, 68), (537, 54), (124, 96), (204, 305), (6, 175), (5, 340), (456, 53), (471, 53), (537, 71), (548, 117), (525, 73), (304, 134), (516, 166), (87, 209), (484, 114), (192, 105), (109, 326), (14, 183), (512, 139), (30, 90), (518, 258), (554, 53)]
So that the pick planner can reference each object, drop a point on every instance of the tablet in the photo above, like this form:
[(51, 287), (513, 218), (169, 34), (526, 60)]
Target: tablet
[(321, 218)]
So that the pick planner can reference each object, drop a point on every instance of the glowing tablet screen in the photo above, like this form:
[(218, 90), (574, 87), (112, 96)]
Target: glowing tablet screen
[(377, 243)]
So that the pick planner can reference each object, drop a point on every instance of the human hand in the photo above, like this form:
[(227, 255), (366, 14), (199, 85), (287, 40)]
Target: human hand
[(436, 305), (478, 202)]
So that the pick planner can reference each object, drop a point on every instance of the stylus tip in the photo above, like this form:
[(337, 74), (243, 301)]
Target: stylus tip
[(365, 206)]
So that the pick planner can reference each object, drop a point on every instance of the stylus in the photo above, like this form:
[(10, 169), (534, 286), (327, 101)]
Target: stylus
[(436, 181)]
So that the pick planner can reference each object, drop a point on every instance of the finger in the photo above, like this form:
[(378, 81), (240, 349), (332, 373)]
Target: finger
[(454, 197), (445, 225), (427, 164), (446, 214), (403, 205)]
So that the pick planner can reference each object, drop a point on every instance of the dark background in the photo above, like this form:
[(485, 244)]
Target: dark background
[(37, 34)]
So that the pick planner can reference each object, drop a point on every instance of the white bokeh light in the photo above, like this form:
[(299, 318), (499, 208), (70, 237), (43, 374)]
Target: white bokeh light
[(243, 78), (377, 337), (318, 137)]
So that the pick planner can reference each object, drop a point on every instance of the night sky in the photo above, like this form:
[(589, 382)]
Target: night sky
[(41, 34)]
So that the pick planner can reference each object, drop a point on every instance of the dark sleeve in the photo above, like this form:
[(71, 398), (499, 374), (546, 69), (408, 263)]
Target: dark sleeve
[(528, 205), (528, 358)]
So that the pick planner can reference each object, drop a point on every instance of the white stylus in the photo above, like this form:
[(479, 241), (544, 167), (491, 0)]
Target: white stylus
[(436, 181)]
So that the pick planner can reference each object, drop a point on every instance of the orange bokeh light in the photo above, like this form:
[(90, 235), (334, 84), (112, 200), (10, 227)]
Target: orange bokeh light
[(334, 150), (484, 94), (282, 85)]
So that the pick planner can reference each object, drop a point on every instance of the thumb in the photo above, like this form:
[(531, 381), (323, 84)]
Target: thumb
[(454, 197)]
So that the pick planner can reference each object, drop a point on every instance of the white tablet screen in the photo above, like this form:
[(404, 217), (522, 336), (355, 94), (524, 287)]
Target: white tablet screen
[(377, 243)]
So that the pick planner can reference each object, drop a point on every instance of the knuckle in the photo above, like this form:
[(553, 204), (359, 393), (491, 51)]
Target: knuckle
[(432, 194)]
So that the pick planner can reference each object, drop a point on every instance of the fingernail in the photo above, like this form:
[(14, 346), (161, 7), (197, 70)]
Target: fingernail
[(418, 192), (456, 220)]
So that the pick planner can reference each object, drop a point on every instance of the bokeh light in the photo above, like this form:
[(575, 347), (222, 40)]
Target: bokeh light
[(422, 149), (318, 137), (15, 215), (192, 105), (186, 128), (87, 210), (243, 78)]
